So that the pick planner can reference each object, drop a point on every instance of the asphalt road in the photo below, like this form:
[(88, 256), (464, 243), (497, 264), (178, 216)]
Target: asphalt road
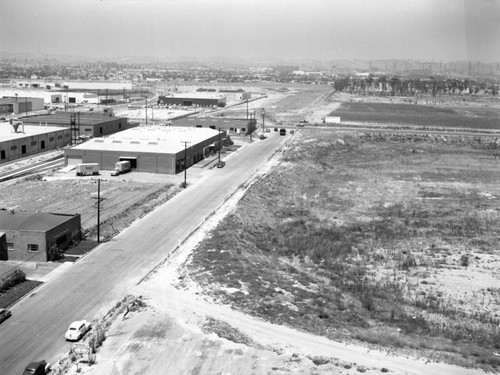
[(90, 287)]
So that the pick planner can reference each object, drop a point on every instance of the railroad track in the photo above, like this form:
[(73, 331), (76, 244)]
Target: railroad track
[(32, 169)]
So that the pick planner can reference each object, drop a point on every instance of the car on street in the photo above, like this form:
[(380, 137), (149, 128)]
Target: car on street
[(4, 314), (262, 136), (221, 164), (268, 130), (37, 368), (77, 330), (275, 129)]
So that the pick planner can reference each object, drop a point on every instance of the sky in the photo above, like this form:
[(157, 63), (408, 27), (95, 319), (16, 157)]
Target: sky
[(432, 30)]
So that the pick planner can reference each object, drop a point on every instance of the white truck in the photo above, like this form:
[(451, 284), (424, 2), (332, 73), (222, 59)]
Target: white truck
[(85, 169), (121, 167)]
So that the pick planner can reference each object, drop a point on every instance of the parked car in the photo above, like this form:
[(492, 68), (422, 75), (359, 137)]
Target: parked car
[(262, 136), (221, 164), (268, 130), (4, 314), (37, 368), (77, 330), (275, 129)]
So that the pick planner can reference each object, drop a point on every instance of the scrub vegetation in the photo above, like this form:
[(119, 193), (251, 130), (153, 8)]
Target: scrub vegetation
[(385, 239)]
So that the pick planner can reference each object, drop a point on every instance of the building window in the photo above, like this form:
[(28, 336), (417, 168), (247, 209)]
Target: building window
[(88, 130), (10, 246), (32, 247), (51, 139), (33, 143), (100, 130), (243, 129), (13, 148), (59, 137)]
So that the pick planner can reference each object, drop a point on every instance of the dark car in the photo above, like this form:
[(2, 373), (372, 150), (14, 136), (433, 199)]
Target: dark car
[(4, 314), (221, 164), (275, 129), (37, 368)]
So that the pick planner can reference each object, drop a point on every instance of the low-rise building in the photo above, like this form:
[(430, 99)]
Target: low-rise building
[(88, 124), (230, 125), (30, 236), (153, 149), (19, 140)]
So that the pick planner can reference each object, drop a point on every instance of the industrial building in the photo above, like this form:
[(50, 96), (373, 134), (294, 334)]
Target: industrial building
[(19, 140), (86, 124), (20, 105), (153, 149), (193, 99), (30, 236), (230, 125)]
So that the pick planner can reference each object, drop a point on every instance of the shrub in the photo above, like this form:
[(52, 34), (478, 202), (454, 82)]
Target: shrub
[(17, 277)]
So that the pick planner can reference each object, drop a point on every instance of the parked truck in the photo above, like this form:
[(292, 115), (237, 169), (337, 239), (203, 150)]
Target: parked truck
[(86, 169), (121, 167)]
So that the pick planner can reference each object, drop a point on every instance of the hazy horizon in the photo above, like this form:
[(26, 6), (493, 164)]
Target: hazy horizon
[(436, 30)]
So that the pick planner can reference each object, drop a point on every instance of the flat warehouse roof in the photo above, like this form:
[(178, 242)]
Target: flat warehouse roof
[(84, 118), (152, 139), (37, 221), (7, 131)]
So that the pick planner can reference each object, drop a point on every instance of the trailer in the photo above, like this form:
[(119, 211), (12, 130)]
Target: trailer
[(122, 167), (86, 169)]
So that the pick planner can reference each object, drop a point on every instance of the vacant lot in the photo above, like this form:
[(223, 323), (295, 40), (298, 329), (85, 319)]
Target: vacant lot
[(123, 201), (384, 239), (423, 115)]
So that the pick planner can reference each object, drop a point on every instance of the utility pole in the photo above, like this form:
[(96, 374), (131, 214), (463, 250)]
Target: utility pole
[(98, 98), (26, 106), (146, 110), (219, 146), (263, 112), (185, 162), (99, 199)]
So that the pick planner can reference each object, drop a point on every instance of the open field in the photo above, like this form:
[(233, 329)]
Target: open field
[(423, 115), (372, 239)]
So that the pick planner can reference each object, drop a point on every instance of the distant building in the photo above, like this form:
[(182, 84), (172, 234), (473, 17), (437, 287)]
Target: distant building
[(88, 124), (20, 105), (29, 236), (231, 125), (193, 99)]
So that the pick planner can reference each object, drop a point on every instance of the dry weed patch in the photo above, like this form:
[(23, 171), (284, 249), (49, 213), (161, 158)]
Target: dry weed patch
[(362, 238)]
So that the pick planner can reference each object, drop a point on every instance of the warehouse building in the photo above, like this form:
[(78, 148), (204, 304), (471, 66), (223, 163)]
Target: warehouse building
[(30, 236), (20, 105), (152, 149), (193, 99), (19, 140), (232, 126), (85, 124)]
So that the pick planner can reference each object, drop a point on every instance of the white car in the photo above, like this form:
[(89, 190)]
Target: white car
[(77, 330)]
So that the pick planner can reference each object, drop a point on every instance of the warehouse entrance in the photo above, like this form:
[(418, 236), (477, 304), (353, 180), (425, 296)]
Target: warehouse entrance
[(131, 159)]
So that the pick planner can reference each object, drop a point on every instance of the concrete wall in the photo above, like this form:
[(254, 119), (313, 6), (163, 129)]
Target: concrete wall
[(32, 145), (63, 234), (20, 241)]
